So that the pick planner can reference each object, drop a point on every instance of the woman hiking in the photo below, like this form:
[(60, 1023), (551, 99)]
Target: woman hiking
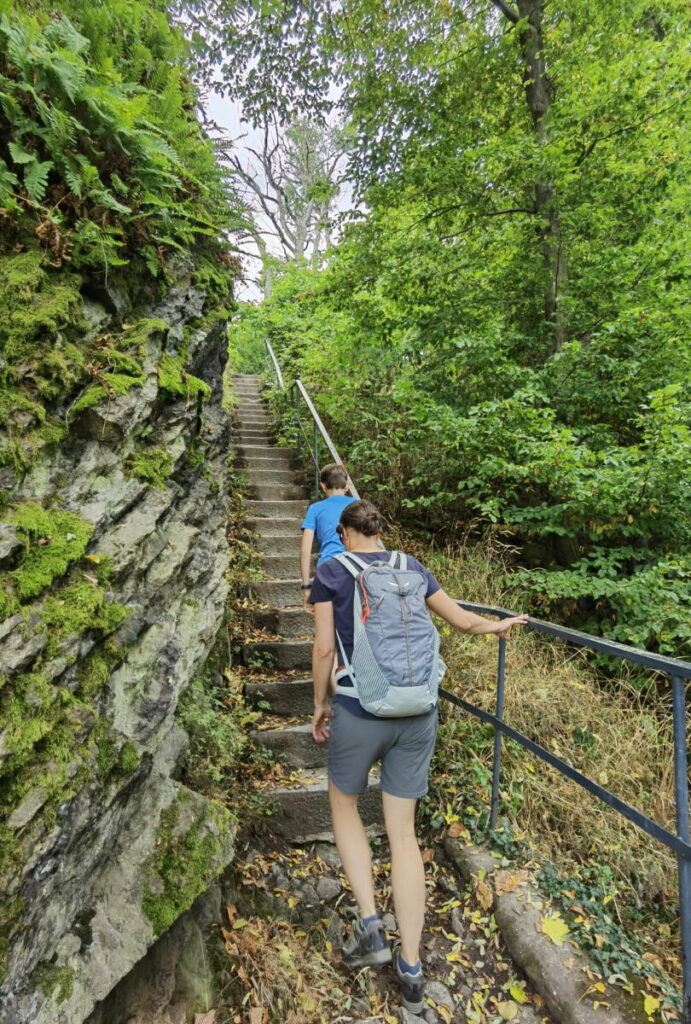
[(370, 608)]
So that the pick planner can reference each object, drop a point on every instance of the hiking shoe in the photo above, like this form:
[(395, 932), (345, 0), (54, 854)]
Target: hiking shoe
[(367, 946), (412, 987)]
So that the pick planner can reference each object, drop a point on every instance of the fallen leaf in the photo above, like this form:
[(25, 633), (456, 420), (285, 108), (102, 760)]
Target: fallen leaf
[(427, 855), (507, 1010), (205, 1018), (484, 894), (555, 929), (650, 1005), (507, 881), (517, 992)]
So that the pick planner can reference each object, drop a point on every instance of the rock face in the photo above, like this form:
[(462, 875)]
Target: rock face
[(101, 849)]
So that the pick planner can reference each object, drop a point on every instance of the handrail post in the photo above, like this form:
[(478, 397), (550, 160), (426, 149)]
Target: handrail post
[(316, 460), (496, 763), (681, 787), (296, 410)]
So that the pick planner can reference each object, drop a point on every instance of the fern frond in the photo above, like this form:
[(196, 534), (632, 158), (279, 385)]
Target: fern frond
[(36, 178)]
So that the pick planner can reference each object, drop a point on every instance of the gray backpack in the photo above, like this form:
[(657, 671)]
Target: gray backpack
[(395, 668)]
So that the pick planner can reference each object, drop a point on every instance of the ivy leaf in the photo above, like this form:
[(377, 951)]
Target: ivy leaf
[(555, 929)]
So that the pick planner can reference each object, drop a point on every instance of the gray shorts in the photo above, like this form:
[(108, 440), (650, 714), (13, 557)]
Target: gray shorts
[(403, 745)]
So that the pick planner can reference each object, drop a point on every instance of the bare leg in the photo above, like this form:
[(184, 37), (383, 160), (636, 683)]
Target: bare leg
[(353, 848), (407, 873)]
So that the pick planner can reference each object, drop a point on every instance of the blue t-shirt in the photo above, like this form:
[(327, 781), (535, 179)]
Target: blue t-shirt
[(323, 517), (334, 583)]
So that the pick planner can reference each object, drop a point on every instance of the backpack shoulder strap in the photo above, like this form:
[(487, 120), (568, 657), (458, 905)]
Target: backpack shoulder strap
[(402, 560), (351, 562)]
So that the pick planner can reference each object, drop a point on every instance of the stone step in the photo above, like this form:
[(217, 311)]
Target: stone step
[(257, 452), (276, 509), (289, 697), (272, 475), (254, 419), (267, 464), (302, 814), (287, 622), (282, 654), (294, 745), (278, 593), (278, 492), (283, 545), (253, 437), (275, 527), (283, 567)]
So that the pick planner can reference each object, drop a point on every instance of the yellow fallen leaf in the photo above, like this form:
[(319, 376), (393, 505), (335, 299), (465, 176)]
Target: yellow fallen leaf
[(650, 1005), (555, 929), (517, 992), (507, 1010), (96, 559)]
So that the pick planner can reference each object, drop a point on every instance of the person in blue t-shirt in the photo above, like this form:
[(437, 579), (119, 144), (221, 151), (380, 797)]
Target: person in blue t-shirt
[(321, 520)]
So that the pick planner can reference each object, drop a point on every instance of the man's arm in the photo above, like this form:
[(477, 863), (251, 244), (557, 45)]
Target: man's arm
[(305, 559), (323, 651), (469, 622)]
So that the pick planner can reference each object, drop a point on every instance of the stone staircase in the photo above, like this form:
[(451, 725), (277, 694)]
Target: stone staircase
[(276, 509)]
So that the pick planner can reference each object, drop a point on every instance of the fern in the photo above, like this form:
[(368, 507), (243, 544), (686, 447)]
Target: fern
[(36, 178)]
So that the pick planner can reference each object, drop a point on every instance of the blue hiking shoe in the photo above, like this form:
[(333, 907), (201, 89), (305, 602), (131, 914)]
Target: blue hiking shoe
[(412, 985), (368, 946)]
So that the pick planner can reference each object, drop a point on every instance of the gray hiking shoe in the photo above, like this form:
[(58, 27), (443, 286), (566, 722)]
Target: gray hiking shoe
[(412, 988), (368, 946)]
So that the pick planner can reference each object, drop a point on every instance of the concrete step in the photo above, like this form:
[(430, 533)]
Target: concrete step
[(289, 697), (267, 464), (282, 654), (274, 527), (282, 545), (302, 814), (283, 567), (246, 435), (263, 477), (257, 452), (287, 622), (294, 745), (278, 593), (278, 492), (276, 509), (254, 419)]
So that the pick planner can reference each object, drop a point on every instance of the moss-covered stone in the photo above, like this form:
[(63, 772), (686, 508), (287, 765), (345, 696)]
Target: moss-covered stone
[(153, 466), (173, 378), (79, 608), (186, 859), (53, 538), (55, 982)]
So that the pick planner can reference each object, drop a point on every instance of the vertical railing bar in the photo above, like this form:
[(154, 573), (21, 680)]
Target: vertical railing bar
[(296, 411), (316, 461), (496, 763), (681, 788)]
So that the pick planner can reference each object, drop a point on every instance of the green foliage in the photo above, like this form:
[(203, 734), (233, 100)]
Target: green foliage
[(52, 540), (484, 354), (173, 378), (154, 466), (186, 859), (99, 137)]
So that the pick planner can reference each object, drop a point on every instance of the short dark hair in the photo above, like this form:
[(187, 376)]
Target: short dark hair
[(363, 517), (334, 476)]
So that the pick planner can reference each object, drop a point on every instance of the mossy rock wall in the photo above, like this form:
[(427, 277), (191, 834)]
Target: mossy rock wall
[(112, 559)]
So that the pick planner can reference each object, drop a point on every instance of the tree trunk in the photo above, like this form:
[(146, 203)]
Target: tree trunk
[(537, 92)]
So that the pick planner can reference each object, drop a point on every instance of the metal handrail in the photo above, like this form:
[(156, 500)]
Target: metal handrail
[(298, 391), (677, 670)]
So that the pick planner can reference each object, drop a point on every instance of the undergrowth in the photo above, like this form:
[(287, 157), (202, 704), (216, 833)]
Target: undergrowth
[(621, 882)]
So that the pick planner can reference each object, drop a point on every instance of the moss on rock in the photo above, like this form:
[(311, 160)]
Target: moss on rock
[(153, 466), (173, 378), (189, 854), (53, 538)]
